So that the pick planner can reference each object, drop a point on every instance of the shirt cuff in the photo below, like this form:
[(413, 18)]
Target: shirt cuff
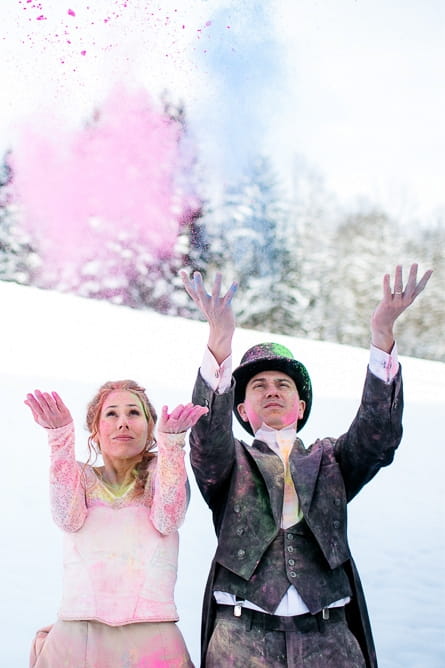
[(217, 376), (384, 365)]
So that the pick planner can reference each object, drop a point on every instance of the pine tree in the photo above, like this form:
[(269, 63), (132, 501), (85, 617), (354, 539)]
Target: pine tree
[(313, 216), (365, 246), (19, 260), (247, 241)]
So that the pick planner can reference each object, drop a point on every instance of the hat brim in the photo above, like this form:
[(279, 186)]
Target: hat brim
[(291, 367)]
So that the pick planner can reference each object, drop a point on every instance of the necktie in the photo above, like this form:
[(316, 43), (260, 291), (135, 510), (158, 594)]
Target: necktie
[(291, 506)]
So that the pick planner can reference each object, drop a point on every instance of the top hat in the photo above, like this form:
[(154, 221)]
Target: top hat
[(271, 357)]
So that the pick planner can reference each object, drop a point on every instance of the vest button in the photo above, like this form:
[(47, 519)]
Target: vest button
[(290, 548), (290, 536), (291, 562), (240, 531), (236, 508), (336, 524), (293, 574), (241, 554)]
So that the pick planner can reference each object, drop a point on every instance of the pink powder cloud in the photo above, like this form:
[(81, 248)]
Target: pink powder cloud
[(118, 174)]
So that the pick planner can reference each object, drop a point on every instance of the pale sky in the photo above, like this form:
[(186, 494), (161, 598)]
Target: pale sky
[(369, 95), (355, 87)]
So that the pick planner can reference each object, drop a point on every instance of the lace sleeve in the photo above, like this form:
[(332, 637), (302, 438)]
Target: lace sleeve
[(169, 485), (67, 491)]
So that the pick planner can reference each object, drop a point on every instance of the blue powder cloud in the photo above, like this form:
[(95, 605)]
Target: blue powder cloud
[(243, 61)]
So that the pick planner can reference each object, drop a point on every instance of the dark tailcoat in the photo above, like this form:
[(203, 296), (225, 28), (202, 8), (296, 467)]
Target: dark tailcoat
[(243, 486)]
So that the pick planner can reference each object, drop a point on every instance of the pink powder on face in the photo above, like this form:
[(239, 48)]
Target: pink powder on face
[(78, 189)]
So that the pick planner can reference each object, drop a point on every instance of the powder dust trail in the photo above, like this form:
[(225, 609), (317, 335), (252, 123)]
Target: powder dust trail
[(117, 175), (64, 56)]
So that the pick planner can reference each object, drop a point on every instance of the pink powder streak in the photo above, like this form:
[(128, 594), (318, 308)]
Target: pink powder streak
[(117, 175)]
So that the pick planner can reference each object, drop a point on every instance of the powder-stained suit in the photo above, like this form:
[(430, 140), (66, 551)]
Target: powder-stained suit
[(243, 486)]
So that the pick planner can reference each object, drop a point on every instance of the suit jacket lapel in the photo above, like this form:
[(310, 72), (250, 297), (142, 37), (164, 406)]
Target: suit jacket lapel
[(304, 466), (271, 469)]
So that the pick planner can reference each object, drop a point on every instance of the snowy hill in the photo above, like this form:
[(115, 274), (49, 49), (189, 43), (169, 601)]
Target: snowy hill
[(53, 341)]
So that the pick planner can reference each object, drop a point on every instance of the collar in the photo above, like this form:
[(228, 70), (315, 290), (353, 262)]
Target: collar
[(272, 436)]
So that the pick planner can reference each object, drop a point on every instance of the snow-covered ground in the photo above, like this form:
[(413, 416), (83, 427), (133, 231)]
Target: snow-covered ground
[(53, 341)]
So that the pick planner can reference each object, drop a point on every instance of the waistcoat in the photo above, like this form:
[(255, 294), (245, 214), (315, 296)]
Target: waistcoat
[(293, 558)]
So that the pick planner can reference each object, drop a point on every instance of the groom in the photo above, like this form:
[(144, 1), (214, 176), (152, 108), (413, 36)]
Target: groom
[(283, 589)]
